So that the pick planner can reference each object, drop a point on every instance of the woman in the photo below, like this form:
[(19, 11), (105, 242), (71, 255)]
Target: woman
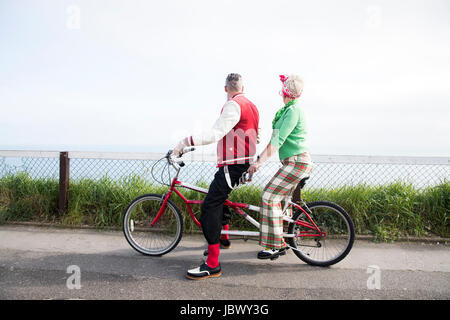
[(289, 139)]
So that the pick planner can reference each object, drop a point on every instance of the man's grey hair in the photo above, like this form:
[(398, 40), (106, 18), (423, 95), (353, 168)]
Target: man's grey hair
[(234, 82)]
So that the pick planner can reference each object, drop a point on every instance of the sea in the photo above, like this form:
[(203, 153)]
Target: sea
[(324, 175)]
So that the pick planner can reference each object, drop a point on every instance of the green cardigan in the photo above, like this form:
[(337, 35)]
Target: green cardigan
[(289, 132)]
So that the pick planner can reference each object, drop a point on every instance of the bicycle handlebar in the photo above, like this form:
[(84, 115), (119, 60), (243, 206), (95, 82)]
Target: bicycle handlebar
[(246, 177), (187, 149), (172, 159)]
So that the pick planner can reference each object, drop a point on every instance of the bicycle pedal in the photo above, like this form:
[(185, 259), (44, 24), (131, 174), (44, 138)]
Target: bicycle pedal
[(205, 253)]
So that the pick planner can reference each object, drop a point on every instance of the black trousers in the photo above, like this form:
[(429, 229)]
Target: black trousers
[(213, 213)]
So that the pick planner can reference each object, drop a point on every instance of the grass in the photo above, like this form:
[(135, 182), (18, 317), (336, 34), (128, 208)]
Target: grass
[(391, 211), (387, 212)]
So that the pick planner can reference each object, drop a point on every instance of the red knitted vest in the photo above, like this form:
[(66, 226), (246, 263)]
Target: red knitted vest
[(239, 145)]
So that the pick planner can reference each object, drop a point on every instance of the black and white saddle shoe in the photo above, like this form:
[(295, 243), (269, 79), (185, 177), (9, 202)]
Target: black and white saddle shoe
[(204, 272), (271, 253)]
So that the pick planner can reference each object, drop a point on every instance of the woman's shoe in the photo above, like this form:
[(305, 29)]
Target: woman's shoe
[(271, 254)]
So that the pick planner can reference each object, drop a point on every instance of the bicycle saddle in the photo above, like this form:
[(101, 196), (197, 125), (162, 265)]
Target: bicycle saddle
[(303, 182)]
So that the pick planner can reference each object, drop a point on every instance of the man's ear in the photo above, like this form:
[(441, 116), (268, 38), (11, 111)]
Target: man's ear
[(242, 90), (226, 89)]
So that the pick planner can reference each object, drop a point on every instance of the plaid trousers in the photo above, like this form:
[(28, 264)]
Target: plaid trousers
[(279, 187)]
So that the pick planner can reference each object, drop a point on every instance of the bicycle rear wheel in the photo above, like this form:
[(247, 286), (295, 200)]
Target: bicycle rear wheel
[(336, 240), (160, 239)]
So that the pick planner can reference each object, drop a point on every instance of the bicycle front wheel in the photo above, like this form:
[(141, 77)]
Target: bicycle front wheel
[(328, 245), (160, 239)]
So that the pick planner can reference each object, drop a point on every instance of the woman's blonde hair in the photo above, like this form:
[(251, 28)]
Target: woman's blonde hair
[(294, 84)]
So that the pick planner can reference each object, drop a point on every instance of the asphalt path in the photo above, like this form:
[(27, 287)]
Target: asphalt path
[(54, 263)]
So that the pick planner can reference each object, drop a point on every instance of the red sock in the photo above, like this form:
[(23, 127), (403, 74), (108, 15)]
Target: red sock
[(213, 255), (225, 236)]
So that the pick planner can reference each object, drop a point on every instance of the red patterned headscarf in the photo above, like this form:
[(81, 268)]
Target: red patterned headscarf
[(285, 89)]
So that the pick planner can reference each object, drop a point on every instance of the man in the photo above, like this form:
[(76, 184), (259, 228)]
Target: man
[(236, 132)]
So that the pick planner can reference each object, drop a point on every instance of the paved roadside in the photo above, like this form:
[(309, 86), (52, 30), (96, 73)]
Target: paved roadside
[(34, 263)]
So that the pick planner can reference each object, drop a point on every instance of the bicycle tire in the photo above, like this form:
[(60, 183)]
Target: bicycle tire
[(347, 243), (128, 226)]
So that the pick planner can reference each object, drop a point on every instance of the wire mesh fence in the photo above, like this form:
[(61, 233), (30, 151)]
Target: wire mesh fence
[(95, 188), (35, 164), (328, 172)]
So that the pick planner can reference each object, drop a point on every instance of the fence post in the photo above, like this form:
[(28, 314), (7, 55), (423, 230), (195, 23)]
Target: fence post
[(64, 170)]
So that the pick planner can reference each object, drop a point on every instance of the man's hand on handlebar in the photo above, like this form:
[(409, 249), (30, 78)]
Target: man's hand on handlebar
[(178, 151), (173, 158)]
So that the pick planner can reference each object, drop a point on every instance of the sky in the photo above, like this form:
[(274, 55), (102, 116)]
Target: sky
[(110, 75)]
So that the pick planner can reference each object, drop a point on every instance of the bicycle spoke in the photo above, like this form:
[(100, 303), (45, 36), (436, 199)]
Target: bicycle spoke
[(160, 238), (336, 238)]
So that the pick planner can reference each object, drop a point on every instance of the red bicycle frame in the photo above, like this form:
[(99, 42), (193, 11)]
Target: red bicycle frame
[(238, 207)]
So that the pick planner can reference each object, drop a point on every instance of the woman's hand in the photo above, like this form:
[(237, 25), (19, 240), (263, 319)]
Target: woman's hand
[(263, 157), (253, 168)]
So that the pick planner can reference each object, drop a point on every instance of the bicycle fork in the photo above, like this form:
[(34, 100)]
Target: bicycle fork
[(165, 198)]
